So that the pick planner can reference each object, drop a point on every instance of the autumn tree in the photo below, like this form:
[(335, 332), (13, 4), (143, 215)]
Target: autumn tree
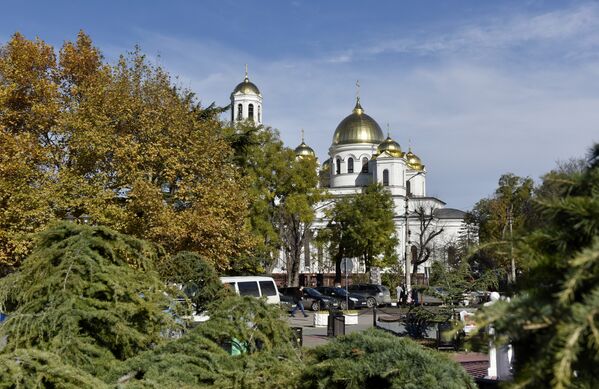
[(119, 142), (29, 113)]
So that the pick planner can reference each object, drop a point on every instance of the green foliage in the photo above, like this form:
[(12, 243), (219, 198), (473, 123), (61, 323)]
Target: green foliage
[(32, 369), (457, 281), (511, 205), (376, 359), (283, 191), (88, 294), (553, 321), (393, 276), (199, 359), (198, 277), (362, 226)]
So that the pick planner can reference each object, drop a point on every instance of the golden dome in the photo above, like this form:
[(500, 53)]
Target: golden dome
[(358, 128), (326, 165), (304, 151), (413, 161), (247, 87), (391, 147)]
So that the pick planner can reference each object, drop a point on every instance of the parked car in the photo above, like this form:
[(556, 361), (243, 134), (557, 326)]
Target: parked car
[(253, 286), (375, 294), (427, 296), (438, 296), (313, 299), (355, 300)]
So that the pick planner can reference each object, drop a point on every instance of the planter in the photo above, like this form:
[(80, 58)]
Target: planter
[(351, 318), (321, 319)]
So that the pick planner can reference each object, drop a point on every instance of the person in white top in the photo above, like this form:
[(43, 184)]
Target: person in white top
[(400, 294)]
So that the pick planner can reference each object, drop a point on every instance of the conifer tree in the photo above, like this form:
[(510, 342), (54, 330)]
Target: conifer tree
[(201, 358), (87, 294), (553, 321), (377, 359)]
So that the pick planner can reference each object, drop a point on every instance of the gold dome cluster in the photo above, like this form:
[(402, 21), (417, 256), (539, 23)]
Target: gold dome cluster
[(414, 161), (358, 128), (390, 146)]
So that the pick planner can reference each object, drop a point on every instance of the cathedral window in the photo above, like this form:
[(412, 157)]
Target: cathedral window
[(259, 120), (251, 111), (408, 188), (338, 166), (385, 177), (364, 165), (350, 165), (239, 111)]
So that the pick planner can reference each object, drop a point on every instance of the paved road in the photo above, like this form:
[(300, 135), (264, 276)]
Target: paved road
[(315, 336)]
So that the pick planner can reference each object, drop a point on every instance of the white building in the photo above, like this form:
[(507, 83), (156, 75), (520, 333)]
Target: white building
[(358, 156)]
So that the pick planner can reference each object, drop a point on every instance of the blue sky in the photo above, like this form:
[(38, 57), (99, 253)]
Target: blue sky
[(477, 88)]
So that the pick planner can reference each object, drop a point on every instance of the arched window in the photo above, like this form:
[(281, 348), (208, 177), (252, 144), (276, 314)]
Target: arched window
[(239, 111), (338, 166), (259, 120), (350, 165), (364, 165), (251, 111), (408, 189), (385, 177), (414, 251)]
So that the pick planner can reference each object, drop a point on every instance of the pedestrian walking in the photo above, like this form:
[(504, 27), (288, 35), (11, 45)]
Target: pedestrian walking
[(400, 292), (298, 297)]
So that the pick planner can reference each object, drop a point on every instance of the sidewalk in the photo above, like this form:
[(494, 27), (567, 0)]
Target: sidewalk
[(315, 336)]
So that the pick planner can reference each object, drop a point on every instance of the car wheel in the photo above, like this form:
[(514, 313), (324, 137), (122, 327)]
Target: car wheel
[(370, 302), (343, 305), (315, 306)]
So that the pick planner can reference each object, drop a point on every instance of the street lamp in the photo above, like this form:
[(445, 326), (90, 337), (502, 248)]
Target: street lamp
[(407, 261)]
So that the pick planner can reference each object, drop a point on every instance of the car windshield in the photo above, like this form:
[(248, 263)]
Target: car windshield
[(340, 291), (313, 292)]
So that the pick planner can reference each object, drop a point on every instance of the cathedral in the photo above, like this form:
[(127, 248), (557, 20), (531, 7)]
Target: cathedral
[(360, 155)]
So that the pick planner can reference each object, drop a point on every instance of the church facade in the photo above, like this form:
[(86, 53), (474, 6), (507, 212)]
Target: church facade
[(360, 155)]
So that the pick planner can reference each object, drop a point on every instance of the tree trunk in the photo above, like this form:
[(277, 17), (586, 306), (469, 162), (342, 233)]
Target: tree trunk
[(338, 259)]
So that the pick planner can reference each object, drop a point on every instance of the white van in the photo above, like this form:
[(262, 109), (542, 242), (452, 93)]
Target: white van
[(254, 286)]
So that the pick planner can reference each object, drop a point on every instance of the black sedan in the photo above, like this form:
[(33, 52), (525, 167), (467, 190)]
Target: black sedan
[(346, 300), (313, 299)]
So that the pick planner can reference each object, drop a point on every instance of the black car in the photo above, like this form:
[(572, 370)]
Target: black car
[(354, 300), (375, 294), (313, 299)]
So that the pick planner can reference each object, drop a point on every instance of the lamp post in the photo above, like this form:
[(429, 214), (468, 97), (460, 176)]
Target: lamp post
[(407, 260)]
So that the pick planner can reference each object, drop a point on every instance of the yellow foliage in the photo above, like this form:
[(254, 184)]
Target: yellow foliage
[(120, 143)]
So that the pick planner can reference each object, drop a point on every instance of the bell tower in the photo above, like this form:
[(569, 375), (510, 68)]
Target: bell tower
[(246, 102)]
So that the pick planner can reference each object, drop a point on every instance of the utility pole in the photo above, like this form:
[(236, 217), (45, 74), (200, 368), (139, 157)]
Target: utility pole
[(512, 260), (408, 261)]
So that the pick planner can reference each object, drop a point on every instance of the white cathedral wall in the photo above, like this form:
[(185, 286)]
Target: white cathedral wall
[(245, 100), (342, 153)]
